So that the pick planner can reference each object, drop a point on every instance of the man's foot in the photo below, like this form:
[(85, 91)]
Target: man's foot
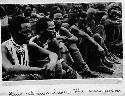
[(103, 69), (69, 74), (107, 62), (111, 58), (88, 74)]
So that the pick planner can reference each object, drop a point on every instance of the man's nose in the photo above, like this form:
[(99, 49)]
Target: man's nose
[(59, 20), (29, 35)]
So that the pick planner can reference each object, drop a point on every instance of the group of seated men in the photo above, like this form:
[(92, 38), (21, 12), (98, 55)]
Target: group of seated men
[(58, 50)]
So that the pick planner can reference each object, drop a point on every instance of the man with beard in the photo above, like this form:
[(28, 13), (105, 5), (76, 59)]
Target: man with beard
[(70, 41), (23, 61)]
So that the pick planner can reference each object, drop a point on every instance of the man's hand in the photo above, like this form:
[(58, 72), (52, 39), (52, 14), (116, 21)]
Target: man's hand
[(51, 67)]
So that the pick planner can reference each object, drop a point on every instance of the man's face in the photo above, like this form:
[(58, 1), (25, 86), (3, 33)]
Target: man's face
[(25, 32), (27, 11), (115, 13), (57, 18), (51, 28)]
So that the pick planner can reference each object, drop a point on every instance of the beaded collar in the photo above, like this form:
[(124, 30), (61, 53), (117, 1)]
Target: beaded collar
[(17, 50)]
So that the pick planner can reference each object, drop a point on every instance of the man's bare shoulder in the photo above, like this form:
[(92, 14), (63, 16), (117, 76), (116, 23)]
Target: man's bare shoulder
[(3, 47), (4, 44)]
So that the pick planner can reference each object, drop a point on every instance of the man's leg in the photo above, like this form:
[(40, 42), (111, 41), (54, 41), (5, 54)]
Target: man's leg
[(105, 59), (94, 59), (79, 65)]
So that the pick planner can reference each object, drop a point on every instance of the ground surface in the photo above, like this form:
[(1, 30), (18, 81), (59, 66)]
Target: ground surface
[(118, 71)]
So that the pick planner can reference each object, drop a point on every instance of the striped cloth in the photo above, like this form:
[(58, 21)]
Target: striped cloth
[(99, 30)]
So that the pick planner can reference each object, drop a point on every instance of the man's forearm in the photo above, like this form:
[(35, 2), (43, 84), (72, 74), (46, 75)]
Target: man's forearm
[(73, 39), (20, 69), (90, 39), (53, 58)]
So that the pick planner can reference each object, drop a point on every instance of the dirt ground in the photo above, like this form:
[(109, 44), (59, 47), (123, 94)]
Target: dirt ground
[(118, 71)]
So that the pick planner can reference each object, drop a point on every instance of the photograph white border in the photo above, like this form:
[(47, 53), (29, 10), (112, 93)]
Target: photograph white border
[(85, 84)]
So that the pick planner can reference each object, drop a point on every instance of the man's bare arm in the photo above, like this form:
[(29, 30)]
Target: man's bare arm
[(17, 69)]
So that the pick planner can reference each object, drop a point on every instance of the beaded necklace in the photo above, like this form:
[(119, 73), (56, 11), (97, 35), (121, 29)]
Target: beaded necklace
[(22, 51)]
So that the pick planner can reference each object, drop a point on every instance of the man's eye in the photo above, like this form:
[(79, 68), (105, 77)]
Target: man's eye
[(26, 29), (56, 19), (51, 29)]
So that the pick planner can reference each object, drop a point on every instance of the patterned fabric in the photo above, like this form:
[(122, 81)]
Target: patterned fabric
[(20, 57), (19, 53), (100, 30)]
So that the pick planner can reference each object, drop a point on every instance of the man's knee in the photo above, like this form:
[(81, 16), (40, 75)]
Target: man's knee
[(73, 48), (97, 38)]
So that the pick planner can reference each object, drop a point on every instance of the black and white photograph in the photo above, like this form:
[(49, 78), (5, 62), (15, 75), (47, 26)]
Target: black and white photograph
[(61, 41)]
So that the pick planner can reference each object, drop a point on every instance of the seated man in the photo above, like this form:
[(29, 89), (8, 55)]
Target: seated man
[(70, 41), (91, 51), (112, 23), (98, 33), (46, 38), (23, 61), (47, 35)]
